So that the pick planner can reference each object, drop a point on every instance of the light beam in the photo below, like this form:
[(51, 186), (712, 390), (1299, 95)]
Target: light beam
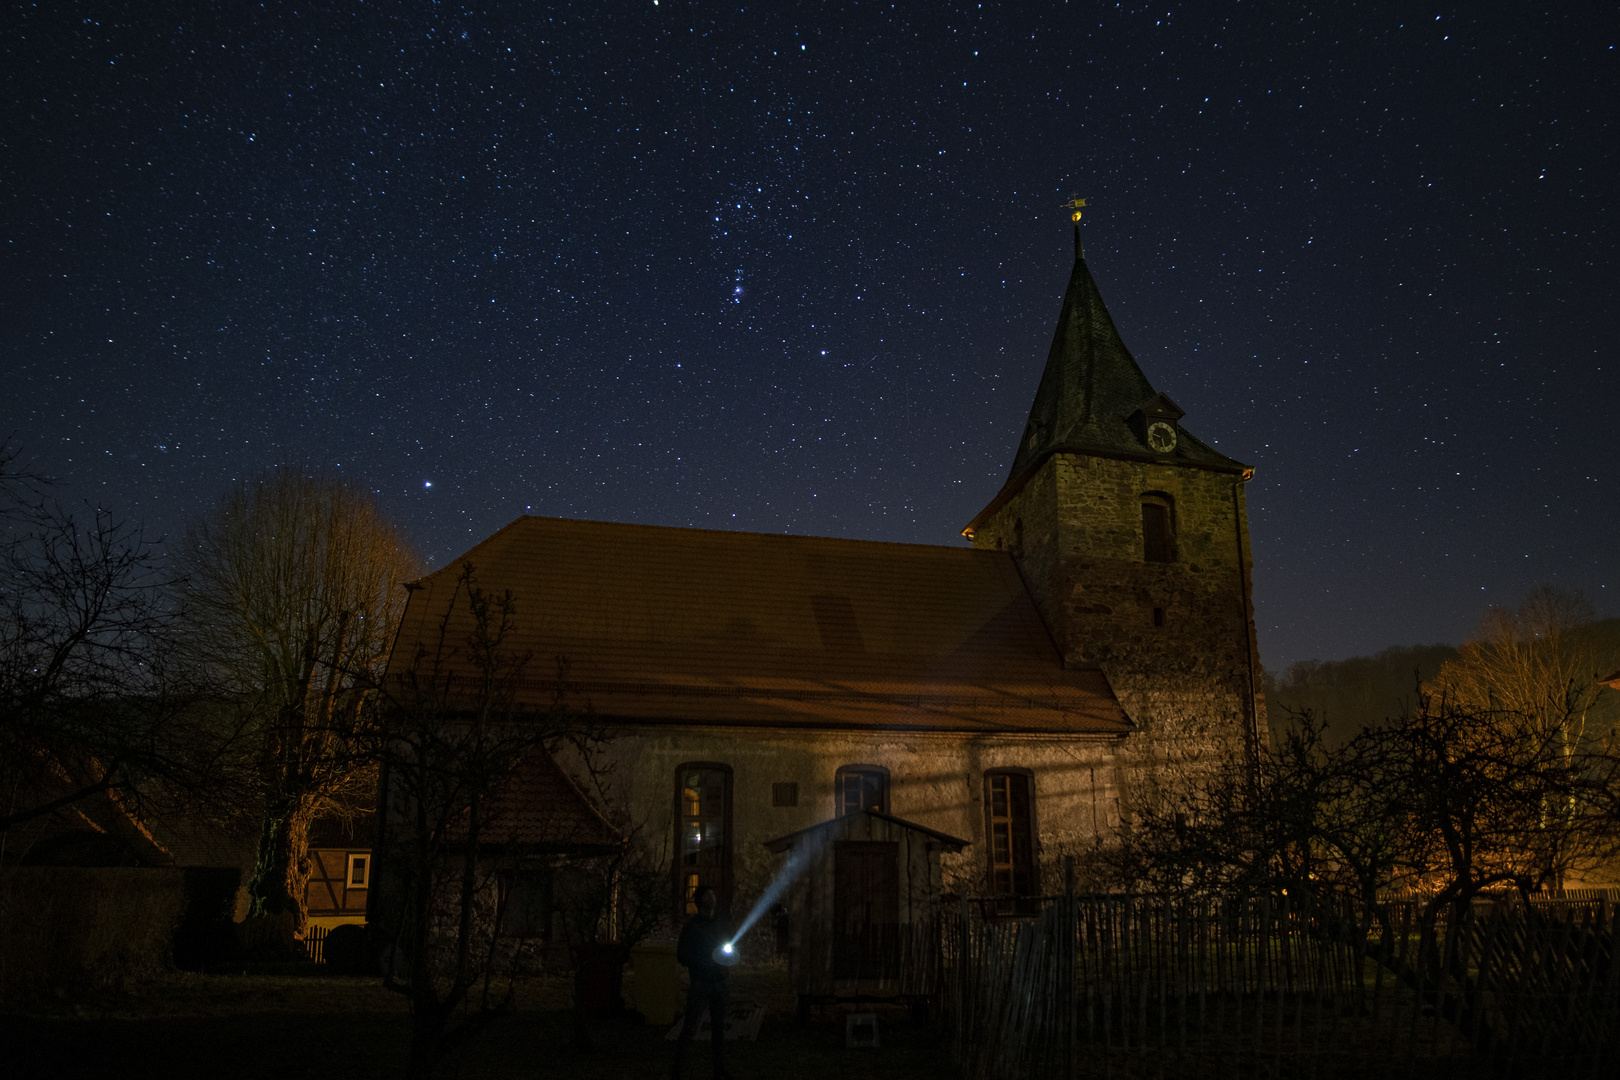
[(799, 858)]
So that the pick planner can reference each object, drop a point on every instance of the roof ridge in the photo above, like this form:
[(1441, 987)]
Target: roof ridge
[(685, 529), (466, 556)]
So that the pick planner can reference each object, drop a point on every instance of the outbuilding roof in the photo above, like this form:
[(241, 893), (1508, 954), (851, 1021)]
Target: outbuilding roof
[(540, 806), (666, 625), (784, 843)]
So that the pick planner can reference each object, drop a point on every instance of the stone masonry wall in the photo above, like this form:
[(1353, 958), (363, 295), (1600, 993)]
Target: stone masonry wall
[(1188, 682), (936, 780)]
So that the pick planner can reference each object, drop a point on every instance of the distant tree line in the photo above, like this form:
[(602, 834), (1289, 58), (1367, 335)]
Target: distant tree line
[(1346, 695)]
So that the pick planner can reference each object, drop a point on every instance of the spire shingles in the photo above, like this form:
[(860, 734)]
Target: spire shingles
[(1092, 397), (1092, 391)]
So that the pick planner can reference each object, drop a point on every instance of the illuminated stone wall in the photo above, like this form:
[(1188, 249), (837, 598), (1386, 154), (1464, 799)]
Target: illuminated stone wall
[(1187, 683), (936, 780)]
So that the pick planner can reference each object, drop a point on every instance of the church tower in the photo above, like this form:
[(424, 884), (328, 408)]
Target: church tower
[(1133, 538)]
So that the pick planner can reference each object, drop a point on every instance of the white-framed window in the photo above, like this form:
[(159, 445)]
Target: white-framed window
[(359, 869)]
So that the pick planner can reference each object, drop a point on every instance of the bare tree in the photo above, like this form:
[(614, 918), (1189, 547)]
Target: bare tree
[(1533, 661), (453, 733), (608, 904), (1479, 782), (293, 587), (1535, 670), (94, 702)]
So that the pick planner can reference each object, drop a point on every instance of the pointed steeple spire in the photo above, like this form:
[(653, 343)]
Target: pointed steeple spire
[(1091, 386), (1094, 400)]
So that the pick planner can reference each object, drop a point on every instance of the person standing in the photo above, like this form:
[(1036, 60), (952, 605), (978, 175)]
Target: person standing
[(700, 938)]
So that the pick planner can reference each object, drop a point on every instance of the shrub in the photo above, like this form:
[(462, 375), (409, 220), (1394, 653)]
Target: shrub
[(206, 936), (70, 931), (348, 951)]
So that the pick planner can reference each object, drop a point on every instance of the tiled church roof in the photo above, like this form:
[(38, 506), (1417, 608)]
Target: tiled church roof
[(663, 625)]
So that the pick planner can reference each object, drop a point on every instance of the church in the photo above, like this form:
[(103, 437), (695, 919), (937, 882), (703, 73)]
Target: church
[(1013, 697)]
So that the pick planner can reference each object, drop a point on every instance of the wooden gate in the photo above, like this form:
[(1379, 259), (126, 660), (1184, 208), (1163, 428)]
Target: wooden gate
[(866, 909)]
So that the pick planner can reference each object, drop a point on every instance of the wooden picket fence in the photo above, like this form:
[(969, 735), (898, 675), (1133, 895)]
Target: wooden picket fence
[(1141, 986), (315, 943)]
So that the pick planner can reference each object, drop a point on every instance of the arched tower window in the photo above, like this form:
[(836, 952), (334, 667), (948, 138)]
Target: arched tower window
[(1158, 528)]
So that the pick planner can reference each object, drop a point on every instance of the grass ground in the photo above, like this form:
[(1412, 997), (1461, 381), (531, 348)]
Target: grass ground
[(259, 1026)]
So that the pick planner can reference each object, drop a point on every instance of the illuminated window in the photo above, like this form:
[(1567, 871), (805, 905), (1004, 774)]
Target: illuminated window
[(703, 833), (1009, 801), (1158, 529), (359, 865), (861, 787)]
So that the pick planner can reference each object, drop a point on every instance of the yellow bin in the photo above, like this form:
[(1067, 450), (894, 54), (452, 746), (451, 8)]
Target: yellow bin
[(657, 988)]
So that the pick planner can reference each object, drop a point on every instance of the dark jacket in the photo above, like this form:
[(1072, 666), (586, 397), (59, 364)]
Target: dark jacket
[(699, 938)]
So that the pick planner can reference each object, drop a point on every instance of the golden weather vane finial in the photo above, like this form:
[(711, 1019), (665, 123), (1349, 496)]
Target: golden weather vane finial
[(1073, 206)]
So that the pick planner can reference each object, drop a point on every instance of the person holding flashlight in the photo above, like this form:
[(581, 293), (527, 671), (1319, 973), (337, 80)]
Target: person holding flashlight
[(702, 940)]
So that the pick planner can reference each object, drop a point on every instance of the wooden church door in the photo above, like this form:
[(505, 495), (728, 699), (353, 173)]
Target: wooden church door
[(866, 909)]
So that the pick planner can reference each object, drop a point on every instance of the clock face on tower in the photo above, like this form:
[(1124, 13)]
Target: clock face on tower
[(1161, 436)]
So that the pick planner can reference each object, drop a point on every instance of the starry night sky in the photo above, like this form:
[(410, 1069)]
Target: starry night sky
[(795, 268)]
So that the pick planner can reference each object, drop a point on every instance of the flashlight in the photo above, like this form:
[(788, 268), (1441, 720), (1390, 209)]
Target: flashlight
[(726, 955)]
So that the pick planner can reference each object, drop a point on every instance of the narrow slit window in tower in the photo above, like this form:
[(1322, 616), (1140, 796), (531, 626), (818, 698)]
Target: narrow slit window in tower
[(1158, 530)]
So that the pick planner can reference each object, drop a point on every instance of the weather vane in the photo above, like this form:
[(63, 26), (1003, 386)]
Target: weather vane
[(1074, 204)]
